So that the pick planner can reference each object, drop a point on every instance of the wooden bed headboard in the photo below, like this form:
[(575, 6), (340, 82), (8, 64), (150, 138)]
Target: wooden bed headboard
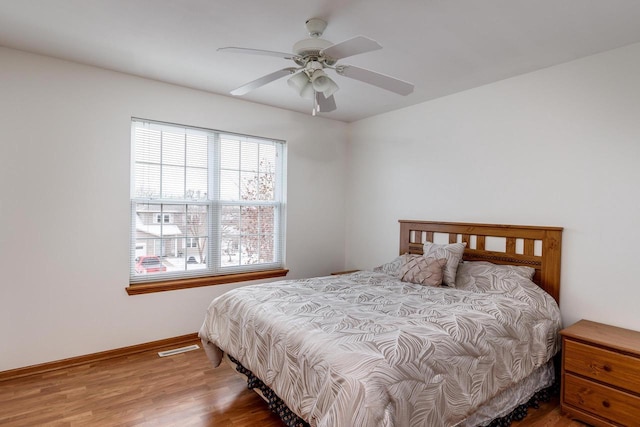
[(531, 246)]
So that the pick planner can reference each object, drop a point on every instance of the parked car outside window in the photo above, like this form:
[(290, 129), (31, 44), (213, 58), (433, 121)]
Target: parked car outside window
[(149, 264)]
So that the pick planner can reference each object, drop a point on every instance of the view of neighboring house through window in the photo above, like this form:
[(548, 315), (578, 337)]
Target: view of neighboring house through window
[(204, 202), (163, 218)]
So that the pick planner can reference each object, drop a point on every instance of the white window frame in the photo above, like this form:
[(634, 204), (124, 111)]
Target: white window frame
[(214, 206)]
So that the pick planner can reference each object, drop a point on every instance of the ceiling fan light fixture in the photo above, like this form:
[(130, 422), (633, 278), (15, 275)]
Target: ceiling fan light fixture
[(307, 91), (322, 83), (298, 81), (302, 85)]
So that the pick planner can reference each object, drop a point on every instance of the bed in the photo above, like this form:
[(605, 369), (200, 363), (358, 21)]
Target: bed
[(389, 348)]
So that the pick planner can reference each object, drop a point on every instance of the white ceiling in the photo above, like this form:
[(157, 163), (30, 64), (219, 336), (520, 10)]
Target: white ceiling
[(442, 46)]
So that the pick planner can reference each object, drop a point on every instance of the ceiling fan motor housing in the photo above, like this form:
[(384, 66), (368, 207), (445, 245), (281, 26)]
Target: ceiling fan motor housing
[(310, 50)]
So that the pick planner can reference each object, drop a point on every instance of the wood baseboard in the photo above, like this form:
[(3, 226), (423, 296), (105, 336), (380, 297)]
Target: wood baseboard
[(95, 357)]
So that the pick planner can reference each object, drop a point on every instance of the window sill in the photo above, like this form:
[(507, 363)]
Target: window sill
[(171, 285)]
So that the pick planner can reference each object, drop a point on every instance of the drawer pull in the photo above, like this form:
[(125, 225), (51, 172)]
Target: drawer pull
[(607, 368), (605, 404)]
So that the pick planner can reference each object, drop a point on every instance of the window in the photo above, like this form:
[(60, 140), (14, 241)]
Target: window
[(166, 218), (204, 203)]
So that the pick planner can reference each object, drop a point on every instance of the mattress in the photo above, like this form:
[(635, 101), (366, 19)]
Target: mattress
[(367, 349)]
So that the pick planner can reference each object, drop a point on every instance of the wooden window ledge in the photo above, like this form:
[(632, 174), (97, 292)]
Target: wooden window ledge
[(171, 285)]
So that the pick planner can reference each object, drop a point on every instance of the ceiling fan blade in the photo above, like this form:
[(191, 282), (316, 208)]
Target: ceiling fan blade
[(257, 52), (376, 79), (354, 46), (262, 81), (325, 104)]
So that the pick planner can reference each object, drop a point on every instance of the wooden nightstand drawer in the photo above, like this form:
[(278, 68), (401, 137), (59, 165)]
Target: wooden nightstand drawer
[(601, 374), (605, 402), (602, 365)]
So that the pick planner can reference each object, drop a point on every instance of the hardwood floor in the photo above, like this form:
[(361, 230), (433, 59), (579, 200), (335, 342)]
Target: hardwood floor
[(548, 415), (147, 390)]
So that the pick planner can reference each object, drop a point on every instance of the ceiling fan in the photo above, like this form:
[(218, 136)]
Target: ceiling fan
[(312, 57)]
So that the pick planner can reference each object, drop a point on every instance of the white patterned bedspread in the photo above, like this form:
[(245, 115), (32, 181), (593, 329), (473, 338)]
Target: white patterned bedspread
[(366, 349)]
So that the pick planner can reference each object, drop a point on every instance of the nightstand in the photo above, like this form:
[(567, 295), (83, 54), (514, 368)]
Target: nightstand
[(601, 374)]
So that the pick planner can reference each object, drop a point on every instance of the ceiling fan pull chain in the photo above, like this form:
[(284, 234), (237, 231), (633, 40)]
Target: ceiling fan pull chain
[(315, 104)]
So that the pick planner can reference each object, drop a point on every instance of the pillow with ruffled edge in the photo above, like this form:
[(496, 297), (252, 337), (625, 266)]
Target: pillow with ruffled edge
[(452, 253), (469, 272), (422, 271)]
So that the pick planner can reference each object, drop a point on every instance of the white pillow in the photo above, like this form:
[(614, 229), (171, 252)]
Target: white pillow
[(452, 253)]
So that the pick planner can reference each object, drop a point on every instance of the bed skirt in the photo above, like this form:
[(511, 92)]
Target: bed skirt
[(291, 419)]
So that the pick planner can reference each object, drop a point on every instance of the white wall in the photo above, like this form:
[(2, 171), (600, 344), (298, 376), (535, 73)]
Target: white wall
[(64, 185), (558, 147)]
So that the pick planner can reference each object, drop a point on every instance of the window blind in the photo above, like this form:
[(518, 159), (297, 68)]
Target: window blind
[(204, 202)]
